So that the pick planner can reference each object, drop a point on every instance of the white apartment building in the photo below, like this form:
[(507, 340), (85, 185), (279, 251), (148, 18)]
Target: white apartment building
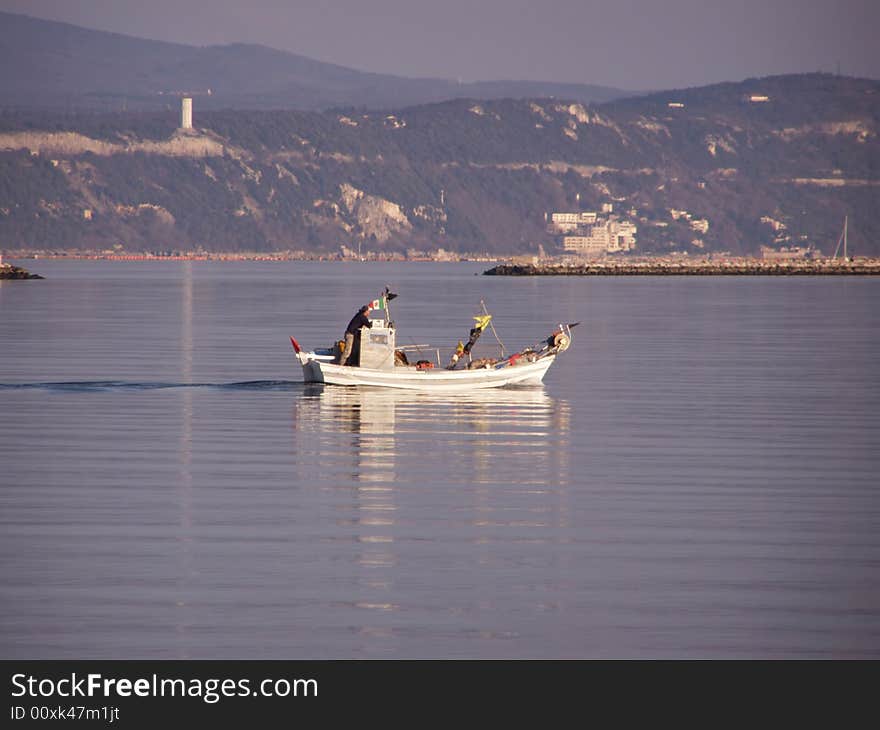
[(568, 222), (583, 217), (611, 236)]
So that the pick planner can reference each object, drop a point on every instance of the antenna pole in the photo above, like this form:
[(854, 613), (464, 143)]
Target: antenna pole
[(486, 311)]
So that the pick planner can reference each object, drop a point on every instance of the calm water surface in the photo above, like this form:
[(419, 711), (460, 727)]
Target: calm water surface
[(698, 476)]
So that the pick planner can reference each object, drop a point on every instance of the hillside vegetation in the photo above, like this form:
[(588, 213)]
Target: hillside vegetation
[(466, 175)]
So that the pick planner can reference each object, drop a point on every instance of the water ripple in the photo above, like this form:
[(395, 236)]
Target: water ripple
[(86, 386)]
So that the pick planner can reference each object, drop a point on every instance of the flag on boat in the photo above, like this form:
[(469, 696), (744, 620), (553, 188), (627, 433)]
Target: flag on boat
[(378, 303), (482, 322)]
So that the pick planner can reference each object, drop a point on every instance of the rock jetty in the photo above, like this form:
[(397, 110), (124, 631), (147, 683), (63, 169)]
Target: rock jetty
[(743, 267), (8, 271)]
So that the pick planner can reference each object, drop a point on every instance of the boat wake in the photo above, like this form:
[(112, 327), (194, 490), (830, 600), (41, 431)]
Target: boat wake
[(93, 386)]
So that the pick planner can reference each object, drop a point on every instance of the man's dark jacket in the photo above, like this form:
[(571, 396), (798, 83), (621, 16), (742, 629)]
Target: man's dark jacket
[(359, 320)]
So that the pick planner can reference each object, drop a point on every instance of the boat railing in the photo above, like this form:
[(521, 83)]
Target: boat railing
[(421, 349)]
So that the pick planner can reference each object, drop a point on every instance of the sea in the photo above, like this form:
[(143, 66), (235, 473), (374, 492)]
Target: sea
[(697, 478)]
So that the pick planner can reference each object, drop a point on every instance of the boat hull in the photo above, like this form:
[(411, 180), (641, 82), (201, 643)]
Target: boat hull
[(434, 379)]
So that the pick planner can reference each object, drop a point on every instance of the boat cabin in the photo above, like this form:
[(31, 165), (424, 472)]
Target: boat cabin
[(377, 344)]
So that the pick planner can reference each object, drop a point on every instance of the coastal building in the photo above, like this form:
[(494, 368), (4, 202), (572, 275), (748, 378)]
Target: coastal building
[(562, 226), (581, 217), (584, 245), (568, 222), (621, 235), (593, 233), (584, 217), (609, 236)]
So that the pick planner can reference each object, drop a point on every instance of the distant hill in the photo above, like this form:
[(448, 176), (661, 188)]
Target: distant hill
[(50, 65), (732, 167)]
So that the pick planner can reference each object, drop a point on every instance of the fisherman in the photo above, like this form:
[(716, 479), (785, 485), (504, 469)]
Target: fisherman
[(360, 319)]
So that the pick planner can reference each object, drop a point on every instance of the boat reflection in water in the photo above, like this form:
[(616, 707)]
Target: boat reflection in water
[(382, 434), (410, 483)]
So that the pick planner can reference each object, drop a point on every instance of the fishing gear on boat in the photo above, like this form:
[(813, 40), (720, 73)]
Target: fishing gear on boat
[(559, 340), (482, 322)]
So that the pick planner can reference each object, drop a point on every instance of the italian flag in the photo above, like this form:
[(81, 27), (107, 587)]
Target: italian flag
[(378, 303)]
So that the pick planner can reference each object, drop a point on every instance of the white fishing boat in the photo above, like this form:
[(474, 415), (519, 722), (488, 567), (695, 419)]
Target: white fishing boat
[(381, 363)]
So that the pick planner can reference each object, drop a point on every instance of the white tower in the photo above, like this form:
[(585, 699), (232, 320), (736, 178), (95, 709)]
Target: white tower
[(186, 113)]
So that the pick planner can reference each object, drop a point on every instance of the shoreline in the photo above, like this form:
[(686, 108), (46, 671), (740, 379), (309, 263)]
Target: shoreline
[(270, 257), (861, 266)]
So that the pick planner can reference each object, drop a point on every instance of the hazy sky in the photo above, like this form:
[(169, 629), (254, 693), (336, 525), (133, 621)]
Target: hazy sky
[(632, 44)]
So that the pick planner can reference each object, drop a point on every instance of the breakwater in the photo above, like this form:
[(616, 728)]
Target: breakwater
[(744, 267), (7, 271)]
